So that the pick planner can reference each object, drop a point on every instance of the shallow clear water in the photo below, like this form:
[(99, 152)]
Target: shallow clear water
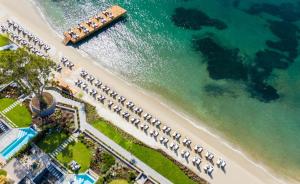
[(149, 49)]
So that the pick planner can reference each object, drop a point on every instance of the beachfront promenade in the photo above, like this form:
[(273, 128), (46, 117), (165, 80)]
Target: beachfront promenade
[(112, 146)]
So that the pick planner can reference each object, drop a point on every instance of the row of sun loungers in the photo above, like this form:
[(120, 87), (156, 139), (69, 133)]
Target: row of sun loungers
[(164, 140), (185, 154), (208, 169), (209, 155), (25, 38), (166, 129), (176, 136), (196, 161), (66, 63), (198, 149), (148, 119), (26, 44), (174, 146), (187, 142)]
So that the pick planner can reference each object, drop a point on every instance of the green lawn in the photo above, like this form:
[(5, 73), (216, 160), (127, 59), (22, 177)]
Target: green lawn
[(3, 40), (151, 157), (120, 181), (20, 115), (51, 141), (76, 151), (5, 102)]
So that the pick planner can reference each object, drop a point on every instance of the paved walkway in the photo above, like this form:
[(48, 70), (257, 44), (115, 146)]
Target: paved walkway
[(84, 126)]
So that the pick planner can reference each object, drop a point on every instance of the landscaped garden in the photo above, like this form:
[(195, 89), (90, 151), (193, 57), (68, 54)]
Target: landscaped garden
[(12, 91), (153, 158), (78, 152), (52, 140)]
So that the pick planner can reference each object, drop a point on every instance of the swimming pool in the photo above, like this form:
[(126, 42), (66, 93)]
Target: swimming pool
[(83, 179), (25, 134)]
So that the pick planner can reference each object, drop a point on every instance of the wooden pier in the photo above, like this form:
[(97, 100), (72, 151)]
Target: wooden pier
[(99, 21)]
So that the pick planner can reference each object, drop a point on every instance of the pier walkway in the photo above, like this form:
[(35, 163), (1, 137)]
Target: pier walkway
[(101, 20)]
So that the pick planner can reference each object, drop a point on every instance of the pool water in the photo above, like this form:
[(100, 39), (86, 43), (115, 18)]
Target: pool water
[(83, 179), (24, 136)]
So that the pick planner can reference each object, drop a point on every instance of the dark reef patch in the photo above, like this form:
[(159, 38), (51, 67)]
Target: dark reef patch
[(195, 19), (217, 90), (226, 63), (236, 3), (229, 64), (223, 63), (264, 63), (286, 11), (287, 33), (268, 59), (263, 91)]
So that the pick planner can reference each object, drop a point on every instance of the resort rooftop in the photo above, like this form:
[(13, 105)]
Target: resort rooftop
[(99, 21)]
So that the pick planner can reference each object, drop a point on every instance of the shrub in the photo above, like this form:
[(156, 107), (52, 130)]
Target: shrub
[(132, 176), (91, 113), (100, 180), (3, 172), (107, 160)]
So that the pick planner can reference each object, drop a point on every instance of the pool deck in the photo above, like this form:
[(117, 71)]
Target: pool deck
[(7, 138)]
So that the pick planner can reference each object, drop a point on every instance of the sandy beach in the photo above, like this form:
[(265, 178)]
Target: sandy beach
[(239, 169)]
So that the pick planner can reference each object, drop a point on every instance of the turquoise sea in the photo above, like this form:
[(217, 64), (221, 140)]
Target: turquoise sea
[(233, 64)]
